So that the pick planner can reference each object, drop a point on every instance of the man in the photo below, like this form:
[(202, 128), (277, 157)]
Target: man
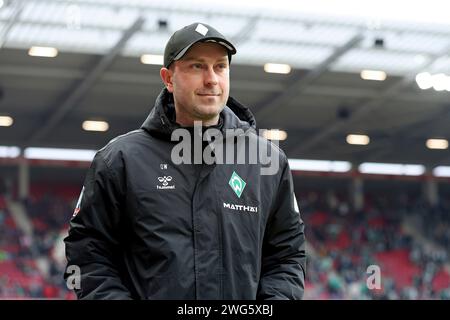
[(149, 227)]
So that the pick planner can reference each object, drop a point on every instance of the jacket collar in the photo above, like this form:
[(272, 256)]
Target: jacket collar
[(160, 122)]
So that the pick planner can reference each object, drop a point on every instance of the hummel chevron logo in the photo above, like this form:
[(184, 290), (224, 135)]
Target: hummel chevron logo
[(165, 180)]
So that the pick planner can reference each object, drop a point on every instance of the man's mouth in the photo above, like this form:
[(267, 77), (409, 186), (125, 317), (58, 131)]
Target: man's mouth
[(209, 94)]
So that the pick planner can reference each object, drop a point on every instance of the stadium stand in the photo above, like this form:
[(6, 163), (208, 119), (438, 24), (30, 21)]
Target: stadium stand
[(30, 267), (344, 243)]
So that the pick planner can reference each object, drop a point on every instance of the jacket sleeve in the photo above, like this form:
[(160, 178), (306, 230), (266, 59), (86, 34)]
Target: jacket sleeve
[(93, 241), (283, 252)]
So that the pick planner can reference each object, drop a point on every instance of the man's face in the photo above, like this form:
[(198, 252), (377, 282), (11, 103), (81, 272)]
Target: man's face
[(200, 83)]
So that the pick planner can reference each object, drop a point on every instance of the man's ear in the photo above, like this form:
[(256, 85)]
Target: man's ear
[(166, 76)]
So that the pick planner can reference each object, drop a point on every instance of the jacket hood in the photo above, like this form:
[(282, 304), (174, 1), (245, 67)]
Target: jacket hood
[(159, 122)]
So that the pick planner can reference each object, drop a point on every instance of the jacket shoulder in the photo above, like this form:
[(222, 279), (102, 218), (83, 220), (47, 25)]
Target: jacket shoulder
[(121, 144)]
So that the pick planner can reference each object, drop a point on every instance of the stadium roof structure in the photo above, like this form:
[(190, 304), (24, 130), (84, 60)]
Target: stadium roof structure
[(98, 75)]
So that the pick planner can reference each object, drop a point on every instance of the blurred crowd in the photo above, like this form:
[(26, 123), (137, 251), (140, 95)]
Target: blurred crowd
[(32, 263), (405, 238), (402, 236)]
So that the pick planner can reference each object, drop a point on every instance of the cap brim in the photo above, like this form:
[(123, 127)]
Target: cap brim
[(231, 49)]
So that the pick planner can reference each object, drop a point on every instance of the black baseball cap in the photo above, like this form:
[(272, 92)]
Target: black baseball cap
[(180, 42)]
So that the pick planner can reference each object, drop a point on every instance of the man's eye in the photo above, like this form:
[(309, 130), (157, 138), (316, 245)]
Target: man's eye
[(222, 66), (197, 66)]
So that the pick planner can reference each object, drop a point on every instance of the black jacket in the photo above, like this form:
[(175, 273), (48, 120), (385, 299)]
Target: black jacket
[(138, 234)]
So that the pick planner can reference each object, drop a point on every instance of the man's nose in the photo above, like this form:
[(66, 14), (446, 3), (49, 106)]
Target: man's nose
[(210, 76)]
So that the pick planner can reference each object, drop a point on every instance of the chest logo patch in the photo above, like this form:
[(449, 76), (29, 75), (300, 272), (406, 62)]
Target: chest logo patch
[(237, 184), (165, 183)]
